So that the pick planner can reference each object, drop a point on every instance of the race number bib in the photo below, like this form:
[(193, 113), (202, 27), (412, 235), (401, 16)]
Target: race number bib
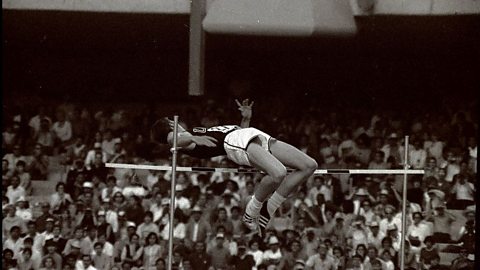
[(223, 129)]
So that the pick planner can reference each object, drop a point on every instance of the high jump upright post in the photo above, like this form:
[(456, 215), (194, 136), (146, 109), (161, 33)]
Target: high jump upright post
[(404, 207), (172, 192), (196, 65)]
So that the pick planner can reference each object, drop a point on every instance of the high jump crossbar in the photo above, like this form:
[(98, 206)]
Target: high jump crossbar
[(251, 170)]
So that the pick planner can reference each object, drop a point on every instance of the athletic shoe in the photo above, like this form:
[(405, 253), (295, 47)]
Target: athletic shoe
[(263, 219), (250, 222)]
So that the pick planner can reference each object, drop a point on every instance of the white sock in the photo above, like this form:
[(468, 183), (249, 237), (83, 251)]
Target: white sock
[(253, 207), (274, 203)]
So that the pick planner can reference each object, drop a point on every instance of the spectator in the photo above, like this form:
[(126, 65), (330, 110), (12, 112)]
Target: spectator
[(134, 188), (255, 252), (58, 241), (48, 263), (197, 230), (134, 210), (132, 253), (222, 220), (357, 234), (367, 212), (387, 260), (52, 254), (13, 242), (463, 191), (104, 228), (6, 173), (320, 260), (147, 227), (469, 214), (92, 155), (15, 191), (45, 136), (100, 259), (417, 155), (243, 260), (13, 158), (294, 253), (417, 232), (60, 200), (110, 189), (462, 262), (338, 229), (122, 175), (451, 165), (378, 162), (355, 263), (393, 149), (178, 228), (220, 255), (472, 154), (11, 220), (85, 263), (390, 219), (442, 222), (339, 257), (39, 166), (118, 150), (34, 258), (23, 209), (375, 236), (10, 137), (24, 176), (108, 143), (98, 168), (152, 251), (428, 252), (273, 254), (62, 129)]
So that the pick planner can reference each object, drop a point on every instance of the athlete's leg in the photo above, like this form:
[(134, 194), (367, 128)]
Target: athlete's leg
[(265, 161), (294, 158), (274, 164)]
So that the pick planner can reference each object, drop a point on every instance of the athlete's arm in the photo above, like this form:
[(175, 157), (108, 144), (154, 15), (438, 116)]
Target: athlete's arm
[(188, 141), (246, 110)]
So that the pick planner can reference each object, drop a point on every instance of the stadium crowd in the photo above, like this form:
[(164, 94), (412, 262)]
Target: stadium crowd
[(100, 218)]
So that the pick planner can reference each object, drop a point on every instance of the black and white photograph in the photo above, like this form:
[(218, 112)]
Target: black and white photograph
[(240, 134)]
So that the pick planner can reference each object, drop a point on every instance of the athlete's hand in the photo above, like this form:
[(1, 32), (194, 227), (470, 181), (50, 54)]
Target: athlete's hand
[(171, 123), (205, 141), (245, 108)]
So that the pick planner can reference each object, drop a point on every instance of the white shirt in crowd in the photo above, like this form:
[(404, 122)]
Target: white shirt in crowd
[(178, 232), (80, 266), (257, 257), (464, 192), (34, 122), (63, 131), (417, 158), (472, 151), (91, 157), (25, 214), (13, 194)]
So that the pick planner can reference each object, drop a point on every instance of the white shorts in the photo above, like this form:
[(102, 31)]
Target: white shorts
[(236, 143)]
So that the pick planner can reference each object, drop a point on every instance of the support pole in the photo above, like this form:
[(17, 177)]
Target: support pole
[(172, 192), (196, 65), (404, 207)]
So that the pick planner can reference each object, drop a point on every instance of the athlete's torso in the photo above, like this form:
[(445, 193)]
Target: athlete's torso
[(217, 132)]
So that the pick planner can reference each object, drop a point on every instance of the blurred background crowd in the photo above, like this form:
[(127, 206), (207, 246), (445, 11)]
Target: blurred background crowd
[(100, 218)]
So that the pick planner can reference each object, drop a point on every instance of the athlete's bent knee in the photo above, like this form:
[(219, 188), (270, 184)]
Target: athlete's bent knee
[(278, 175), (310, 165)]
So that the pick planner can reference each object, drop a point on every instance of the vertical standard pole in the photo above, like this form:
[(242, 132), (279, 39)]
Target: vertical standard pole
[(197, 48), (404, 207), (172, 192)]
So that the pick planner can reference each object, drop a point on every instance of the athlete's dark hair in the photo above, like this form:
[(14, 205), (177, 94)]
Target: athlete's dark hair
[(160, 130)]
